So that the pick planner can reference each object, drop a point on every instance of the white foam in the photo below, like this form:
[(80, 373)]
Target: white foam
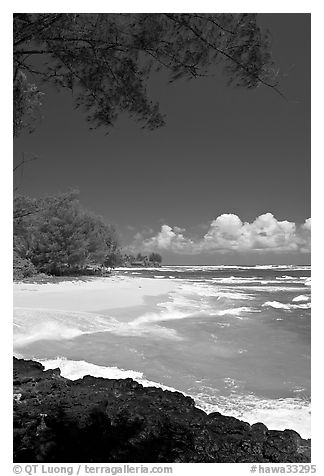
[(276, 414), (287, 307), (32, 325), (289, 279), (151, 317), (301, 298), (191, 300), (280, 414), (276, 305), (47, 324), (236, 280), (272, 289), (236, 311), (239, 281), (197, 268), (234, 295), (206, 290), (76, 369)]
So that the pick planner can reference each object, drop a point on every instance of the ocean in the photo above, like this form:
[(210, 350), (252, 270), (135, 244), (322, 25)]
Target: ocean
[(234, 338)]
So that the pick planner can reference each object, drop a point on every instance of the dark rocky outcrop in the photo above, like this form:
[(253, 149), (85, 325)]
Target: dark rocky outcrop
[(101, 420)]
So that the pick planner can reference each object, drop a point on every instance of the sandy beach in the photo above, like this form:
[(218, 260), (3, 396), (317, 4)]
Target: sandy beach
[(236, 343), (106, 293), (64, 309)]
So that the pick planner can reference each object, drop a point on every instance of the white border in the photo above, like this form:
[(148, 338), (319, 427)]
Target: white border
[(283, 6)]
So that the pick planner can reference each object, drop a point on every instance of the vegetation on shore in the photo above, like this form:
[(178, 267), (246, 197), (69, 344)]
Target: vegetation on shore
[(55, 235)]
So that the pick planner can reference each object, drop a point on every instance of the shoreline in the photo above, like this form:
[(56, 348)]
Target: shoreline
[(124, 297), (97, 419), (71, 296)]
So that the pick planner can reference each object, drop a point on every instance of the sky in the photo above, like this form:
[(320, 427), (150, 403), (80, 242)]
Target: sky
[(226, 181)]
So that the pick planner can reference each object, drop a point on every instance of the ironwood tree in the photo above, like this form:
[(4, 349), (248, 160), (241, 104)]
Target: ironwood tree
[(57, 234), (107, 59)]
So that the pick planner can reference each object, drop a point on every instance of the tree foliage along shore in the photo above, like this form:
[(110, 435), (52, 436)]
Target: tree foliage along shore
[(106, 60), (56, 234)]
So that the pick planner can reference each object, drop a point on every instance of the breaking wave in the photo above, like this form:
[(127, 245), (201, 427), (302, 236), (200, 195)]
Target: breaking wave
[(76, 369), (276, 414), (279, 414), (37, 324), (237, 311), (32, 325), (301, 298), (287, 307)]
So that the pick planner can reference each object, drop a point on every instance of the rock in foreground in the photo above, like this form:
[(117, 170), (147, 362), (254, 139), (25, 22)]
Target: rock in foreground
[(101, 420)]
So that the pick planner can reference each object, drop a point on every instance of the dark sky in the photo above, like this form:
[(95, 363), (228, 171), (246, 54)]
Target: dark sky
[(223, 150)]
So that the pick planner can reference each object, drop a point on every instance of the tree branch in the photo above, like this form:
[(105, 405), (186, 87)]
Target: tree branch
[(24, 161), (228, 56), (40, 29), (211, 20)]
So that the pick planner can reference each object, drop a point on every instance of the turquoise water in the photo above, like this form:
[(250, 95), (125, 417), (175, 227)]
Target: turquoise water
[(237, 339)]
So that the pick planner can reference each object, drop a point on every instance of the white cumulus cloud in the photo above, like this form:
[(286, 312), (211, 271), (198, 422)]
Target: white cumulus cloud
[(227, 233), (304, 237)]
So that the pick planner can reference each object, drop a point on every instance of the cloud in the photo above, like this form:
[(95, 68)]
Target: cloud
[(168, 239), (227, 233), (307, 224), (305, 236)]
